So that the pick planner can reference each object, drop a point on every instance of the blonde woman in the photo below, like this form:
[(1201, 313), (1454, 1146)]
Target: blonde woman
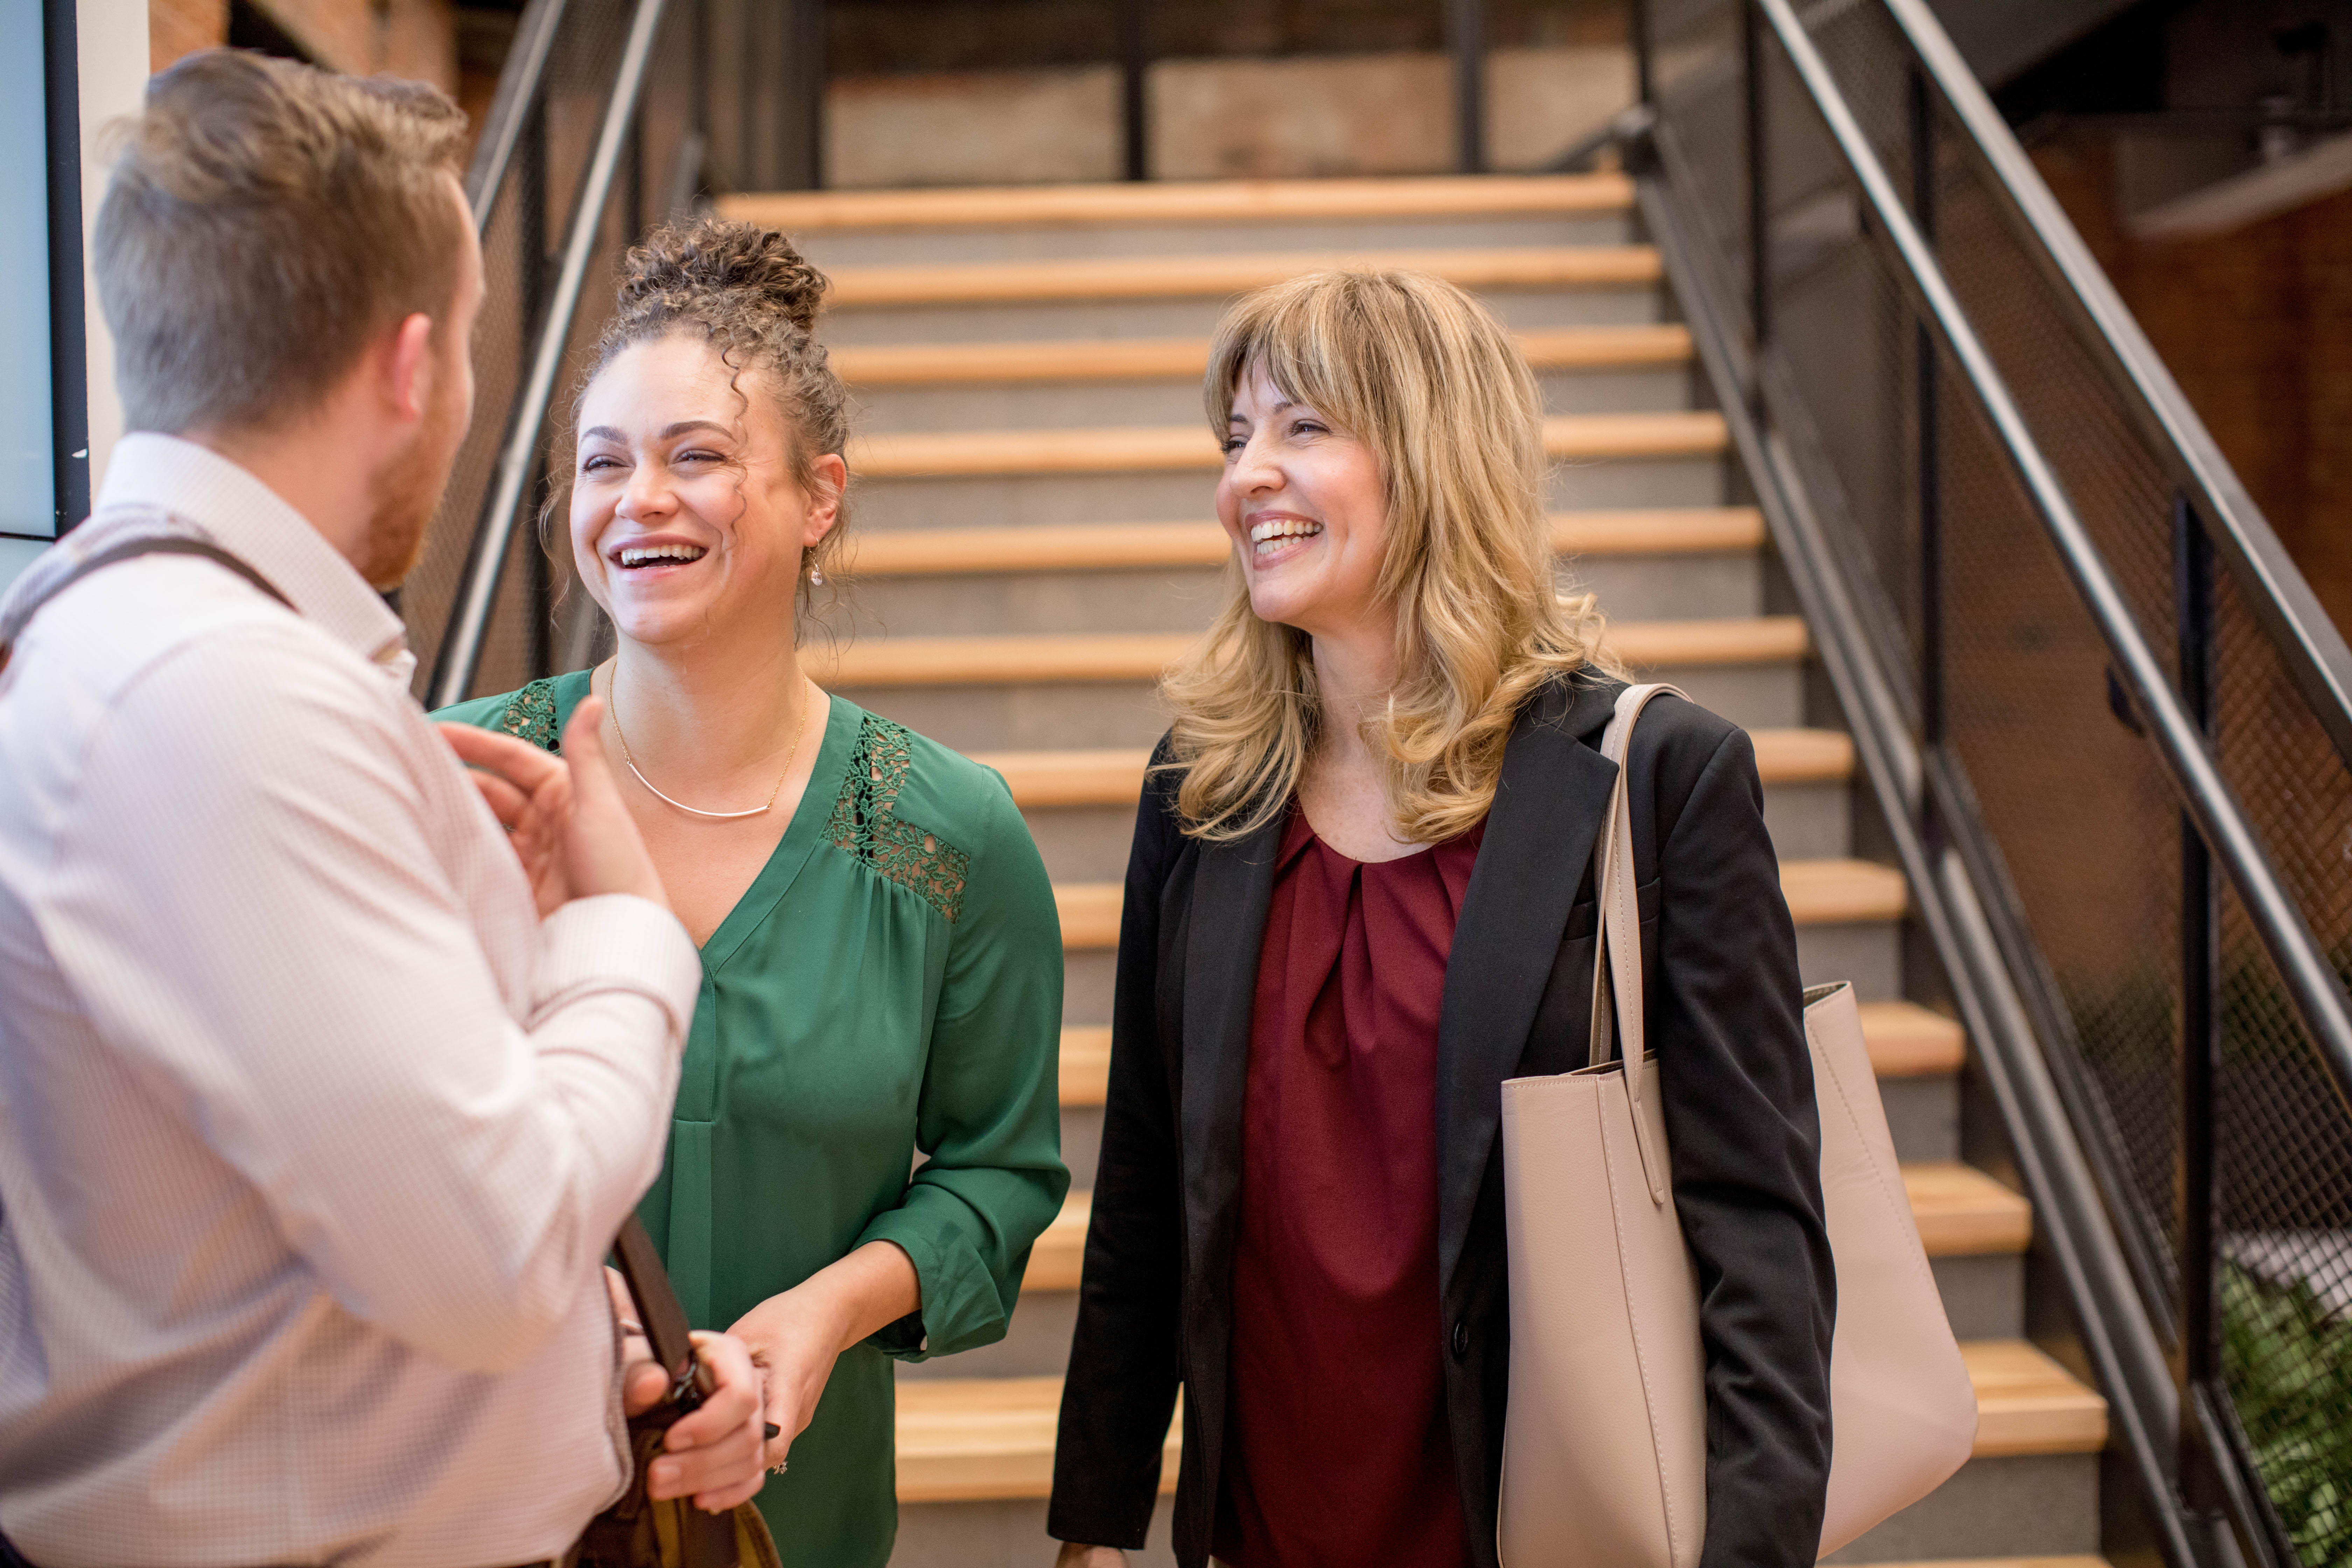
[(1356, 902)]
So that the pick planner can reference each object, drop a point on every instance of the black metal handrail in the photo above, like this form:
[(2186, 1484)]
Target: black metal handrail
[(519, 457), (609, 115), (2321, 663), (2319, 991), (2195, 1248)]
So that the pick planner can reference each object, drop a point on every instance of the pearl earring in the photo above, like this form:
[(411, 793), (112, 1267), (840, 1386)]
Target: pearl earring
[(816, 576)]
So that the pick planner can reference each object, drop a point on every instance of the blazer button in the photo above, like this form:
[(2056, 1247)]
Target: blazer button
[(1461, 1338)]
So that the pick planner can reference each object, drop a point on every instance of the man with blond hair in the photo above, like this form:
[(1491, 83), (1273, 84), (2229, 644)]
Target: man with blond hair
[(320, 1098)]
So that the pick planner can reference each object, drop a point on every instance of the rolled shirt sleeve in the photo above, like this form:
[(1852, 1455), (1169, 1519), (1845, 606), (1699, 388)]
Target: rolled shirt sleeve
[(988, 1119)]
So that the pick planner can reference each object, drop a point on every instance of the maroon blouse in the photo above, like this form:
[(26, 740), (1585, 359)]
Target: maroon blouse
[(1336, 1445)]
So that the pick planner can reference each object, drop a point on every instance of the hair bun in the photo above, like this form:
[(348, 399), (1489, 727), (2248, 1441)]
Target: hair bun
[(716, 257)]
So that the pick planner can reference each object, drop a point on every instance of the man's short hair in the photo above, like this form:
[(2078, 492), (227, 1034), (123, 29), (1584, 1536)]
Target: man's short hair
[(263, 222)]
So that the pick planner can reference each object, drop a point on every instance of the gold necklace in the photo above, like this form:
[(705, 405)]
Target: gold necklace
[(808, 700)]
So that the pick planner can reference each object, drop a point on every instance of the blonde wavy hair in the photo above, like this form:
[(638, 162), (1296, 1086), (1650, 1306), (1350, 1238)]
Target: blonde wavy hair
[(1422, 374)]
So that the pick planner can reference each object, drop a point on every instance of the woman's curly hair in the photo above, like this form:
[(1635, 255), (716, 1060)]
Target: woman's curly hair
[(755, 299)]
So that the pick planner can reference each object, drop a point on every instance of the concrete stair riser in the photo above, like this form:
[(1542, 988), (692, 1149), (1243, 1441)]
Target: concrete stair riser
[(1065, 405), (1983, 1296), (2042, 1503), (1012, 499), (1089, 844), (1922, 1115), (1120, 713), (1715, 585), (1619, 304), (1868, 955), (833, 249)]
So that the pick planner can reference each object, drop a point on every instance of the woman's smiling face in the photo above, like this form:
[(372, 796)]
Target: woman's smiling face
[(685, 511), (1307, 507)]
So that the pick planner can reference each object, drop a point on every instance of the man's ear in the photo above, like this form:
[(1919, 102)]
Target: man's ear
[(408, 367)]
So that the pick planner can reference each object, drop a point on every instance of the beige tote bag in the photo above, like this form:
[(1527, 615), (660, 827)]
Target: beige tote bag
[(1605, 1446)]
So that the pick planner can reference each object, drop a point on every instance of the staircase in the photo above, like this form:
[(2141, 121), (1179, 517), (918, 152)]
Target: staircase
[(1033, 476)]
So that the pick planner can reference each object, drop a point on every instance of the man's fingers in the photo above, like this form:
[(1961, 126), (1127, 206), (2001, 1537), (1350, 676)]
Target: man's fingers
[(584, 747), (519, 763), (507, 804), (643, 1385)]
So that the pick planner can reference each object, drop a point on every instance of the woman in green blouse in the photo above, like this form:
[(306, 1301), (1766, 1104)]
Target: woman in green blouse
[(882, 964)]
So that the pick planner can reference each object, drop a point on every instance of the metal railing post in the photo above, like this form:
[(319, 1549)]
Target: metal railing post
[(1637, 34), (1465, 30), (1135, 69), (2200, 1030), (519, 456), (1760, 204), (804, 27), (1928, 413)]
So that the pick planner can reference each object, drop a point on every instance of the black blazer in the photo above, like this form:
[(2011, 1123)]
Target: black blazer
[(1720, 967)]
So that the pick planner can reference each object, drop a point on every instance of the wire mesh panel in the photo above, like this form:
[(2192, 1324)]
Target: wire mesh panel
[(2073, 820)]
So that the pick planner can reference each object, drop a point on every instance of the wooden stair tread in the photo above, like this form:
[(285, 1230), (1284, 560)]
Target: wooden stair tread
[(1042, 779), (1187, 201), (965, 1439), (1086, 1065), (1960, 1212), (1095, 546), (2028, 1403), (1900, 1045), (1908, 1041), (1842, 892), (1185, 359), (1963, 1213), (1150, 448), (1215, 275), (1819, 892), (1096, 657), (962, 1439)]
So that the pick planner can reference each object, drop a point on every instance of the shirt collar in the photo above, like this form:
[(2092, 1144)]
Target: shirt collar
[(252, 521)]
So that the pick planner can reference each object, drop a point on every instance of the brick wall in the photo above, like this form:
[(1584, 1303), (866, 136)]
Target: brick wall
[(416, 38), (2257, 328), (177, 28)]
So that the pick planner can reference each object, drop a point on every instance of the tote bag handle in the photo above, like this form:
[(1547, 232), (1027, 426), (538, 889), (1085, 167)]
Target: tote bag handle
[(1617, 995)]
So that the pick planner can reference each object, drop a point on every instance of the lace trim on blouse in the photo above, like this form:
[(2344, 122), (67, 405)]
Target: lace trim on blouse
[(531, 716), (865, 818), (866, 822)]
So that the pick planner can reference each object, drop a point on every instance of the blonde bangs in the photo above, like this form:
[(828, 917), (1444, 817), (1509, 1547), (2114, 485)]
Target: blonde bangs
[(1420, 372)]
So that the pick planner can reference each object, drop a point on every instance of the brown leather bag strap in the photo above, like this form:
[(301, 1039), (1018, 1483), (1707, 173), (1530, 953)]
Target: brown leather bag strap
[(13, 625), (663, 1315)]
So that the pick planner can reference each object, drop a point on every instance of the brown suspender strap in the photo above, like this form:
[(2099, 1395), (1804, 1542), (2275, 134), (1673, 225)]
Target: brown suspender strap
[(13, 625)]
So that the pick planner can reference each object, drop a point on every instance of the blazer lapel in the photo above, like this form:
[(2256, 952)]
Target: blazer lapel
[(1231, 892), (1554, 789)]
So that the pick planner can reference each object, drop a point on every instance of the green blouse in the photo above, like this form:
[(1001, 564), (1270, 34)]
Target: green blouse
[(890, 986)]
